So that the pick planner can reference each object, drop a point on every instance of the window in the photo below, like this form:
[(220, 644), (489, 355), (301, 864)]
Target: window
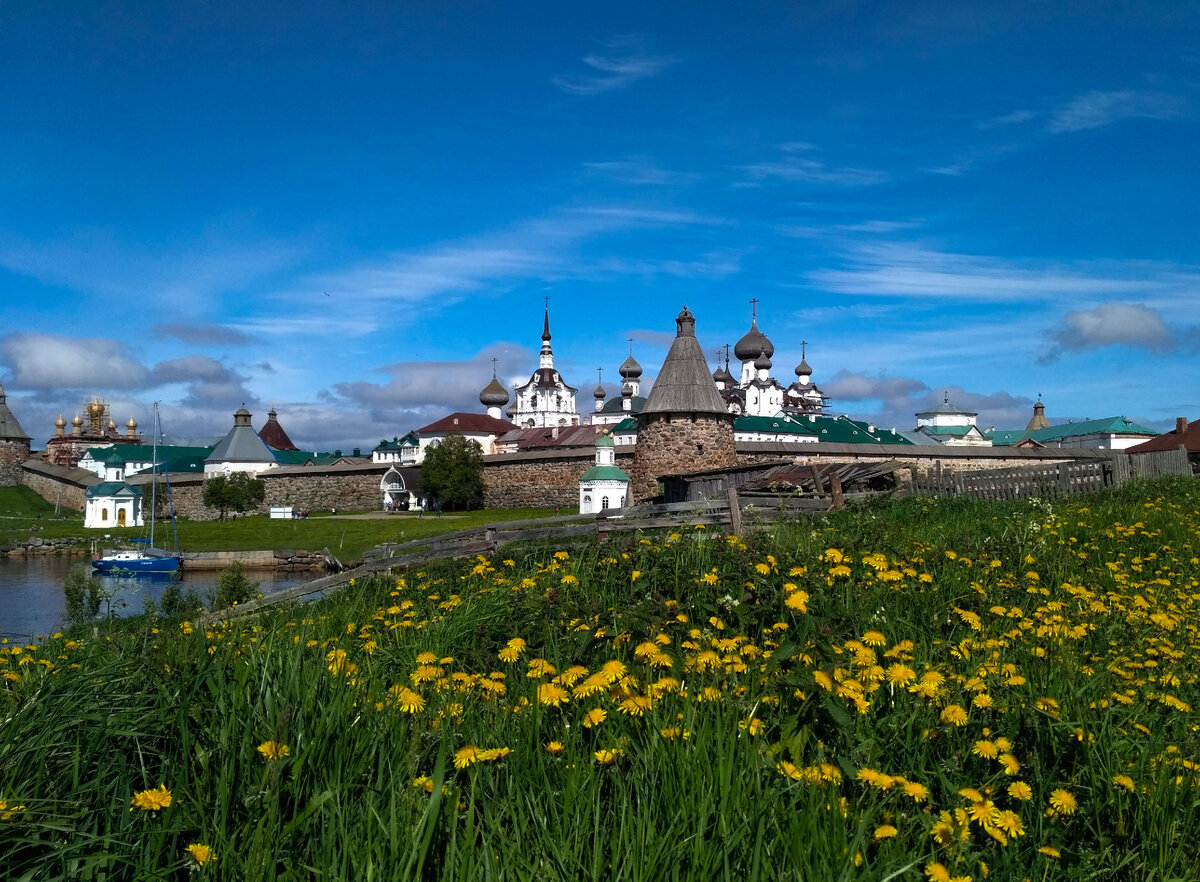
[(603, 503)]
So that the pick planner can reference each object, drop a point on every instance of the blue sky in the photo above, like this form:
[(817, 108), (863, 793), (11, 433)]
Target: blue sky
[(347, 210)]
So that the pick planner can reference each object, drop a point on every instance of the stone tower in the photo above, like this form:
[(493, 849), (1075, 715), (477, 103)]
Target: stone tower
[(14, 445), (685, 425)]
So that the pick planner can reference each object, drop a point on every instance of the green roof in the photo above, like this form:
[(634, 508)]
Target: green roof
[(112, 488), (605, 440), (145, 452), (1117, 425), (409, 440), (843, 430), (604, 473), (629, 424), (779, 425)]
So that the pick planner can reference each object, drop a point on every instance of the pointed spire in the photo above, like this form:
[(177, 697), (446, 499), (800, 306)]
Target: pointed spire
[(683, 384), (546, 323)]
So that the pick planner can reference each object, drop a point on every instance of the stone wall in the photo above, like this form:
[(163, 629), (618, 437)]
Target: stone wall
[(12, 454), (56, 489), (540, 478), (673, 444), (924, 458), (353, 488)]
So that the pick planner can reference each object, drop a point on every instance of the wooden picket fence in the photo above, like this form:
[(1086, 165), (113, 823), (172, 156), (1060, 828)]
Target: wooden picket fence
[(1050, 480)]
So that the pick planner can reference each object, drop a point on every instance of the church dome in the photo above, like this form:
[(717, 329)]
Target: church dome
[(763, 362), (493, 394), (803, 369), (60, 423), (77, 421), (753, 344), (630, 369), (131, 423), (599, 394)]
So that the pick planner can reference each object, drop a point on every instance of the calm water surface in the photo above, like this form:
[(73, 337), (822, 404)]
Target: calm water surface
[(31, 591)]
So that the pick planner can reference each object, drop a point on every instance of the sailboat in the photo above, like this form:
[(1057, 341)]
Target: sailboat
[(147, 558)]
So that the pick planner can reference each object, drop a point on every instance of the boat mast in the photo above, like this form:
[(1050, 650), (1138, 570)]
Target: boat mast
[(153, 474)]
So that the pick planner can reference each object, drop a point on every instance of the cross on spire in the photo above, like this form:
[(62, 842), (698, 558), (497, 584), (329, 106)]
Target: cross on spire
[(803, 349), (494, 360), (600, 375), (753, 310), (631, 346)]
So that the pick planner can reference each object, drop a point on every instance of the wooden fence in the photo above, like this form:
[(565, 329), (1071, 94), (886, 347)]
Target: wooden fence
[(733, 513), (1051, 480)]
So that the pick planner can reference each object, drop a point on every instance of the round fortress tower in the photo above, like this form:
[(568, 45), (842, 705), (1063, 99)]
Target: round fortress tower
[(684, 426)]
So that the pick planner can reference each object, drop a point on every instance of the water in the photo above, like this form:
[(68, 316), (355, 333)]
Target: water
[(31, 591)]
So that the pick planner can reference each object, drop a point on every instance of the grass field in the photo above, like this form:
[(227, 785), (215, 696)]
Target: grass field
[(923, 690), (21, 510)]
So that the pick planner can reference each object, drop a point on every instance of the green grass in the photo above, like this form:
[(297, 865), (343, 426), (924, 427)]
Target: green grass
[(23, 514), (778, 657)]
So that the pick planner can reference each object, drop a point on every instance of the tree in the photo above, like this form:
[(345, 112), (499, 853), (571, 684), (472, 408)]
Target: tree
[(236, 492), (452, 473)]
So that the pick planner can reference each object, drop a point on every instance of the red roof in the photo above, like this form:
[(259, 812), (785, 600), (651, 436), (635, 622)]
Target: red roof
[(468, 422), (273, 434), (1190, 438), (564, 436)]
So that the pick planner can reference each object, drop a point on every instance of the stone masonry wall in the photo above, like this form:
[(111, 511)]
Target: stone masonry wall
[(62, 493), (511, 481), (923, 463), (12, 454), (676, 444), (315, 491)]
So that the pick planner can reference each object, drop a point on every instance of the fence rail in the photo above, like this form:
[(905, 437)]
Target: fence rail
[(1052, 480), (735, 513)]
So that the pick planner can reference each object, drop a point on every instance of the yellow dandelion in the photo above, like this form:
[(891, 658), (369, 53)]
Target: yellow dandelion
[(885, 831), (594, 717), (1063, 801), (954, 715), (201, 853), (1011, 764), (274, 750), (797, 600), (874, 638), (916, 791), (1124, 781), (554, 748), (1050, 851), (152, 800), (986, 749), (1021, 791), (608, 755), (466, 756), (552, 694), (936, 872)]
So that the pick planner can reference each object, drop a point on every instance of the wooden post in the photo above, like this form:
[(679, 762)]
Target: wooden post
[(1064, 478), (835, 486), (735, 513)]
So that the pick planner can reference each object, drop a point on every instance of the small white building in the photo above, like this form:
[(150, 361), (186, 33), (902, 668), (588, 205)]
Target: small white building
[(603, 486), (398, 451), (112, 504), (949, 425), (241, 450)]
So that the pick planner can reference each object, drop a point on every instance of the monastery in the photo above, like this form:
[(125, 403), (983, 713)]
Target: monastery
[(540, 448)]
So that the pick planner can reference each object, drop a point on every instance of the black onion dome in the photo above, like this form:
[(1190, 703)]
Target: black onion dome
[(493, 394), (599, 394), (753, 344), (803, 369), (763, 362), (630, 369)]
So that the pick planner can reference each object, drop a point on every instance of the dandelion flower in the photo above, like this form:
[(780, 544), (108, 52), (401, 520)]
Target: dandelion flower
[(1050, 851), (152, 800), (1011, 764), (552, 694), (465, 756), (512, 650), (874, 638), (608, 755), (797, 600), (201, 853), (936, 872), (916, 791), (1063, 801), (954, 714), (1019, 790), (554, 748), (885, 831), (274, 750), (594, 717), (1124, 781), (986, 749)]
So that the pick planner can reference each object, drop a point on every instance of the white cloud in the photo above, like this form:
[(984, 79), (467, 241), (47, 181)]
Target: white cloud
[(1016, 117), (807, 170), (1110, 324), (883, 269), (51, 362), (623, 62), (1096, 109)]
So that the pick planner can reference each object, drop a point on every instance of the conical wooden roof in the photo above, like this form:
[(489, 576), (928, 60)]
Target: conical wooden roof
[(684, 384), (10, 429)]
